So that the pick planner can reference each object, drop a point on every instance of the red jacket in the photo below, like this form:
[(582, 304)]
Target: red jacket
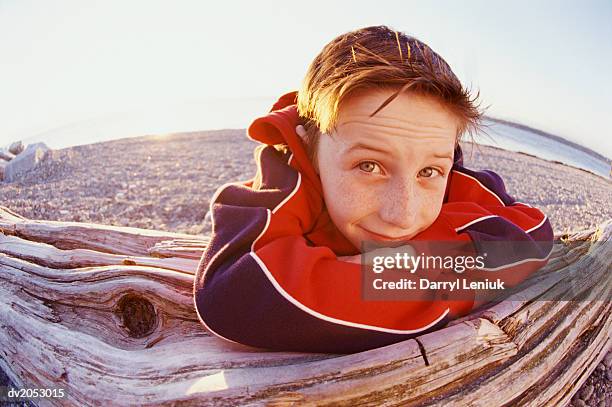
[(271, 276)]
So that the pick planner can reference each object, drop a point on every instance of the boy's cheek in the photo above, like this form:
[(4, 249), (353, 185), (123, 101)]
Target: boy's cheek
[(341, 186), (347, 201), (432, 212)]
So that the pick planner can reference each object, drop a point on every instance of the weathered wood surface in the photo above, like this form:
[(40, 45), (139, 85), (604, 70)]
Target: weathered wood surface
[(107, 313)]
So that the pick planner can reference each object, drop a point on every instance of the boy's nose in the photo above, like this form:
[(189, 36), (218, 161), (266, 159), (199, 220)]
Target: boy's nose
[(399, 206)]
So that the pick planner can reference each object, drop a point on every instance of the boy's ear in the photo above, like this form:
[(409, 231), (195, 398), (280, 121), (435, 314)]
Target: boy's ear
[(302, 133)]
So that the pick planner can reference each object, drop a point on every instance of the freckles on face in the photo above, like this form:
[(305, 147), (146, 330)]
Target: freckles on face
[(343, 194), (384, 176)]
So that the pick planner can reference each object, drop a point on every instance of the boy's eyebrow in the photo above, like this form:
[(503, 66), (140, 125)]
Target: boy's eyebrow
[(450, 157), (362, 146)]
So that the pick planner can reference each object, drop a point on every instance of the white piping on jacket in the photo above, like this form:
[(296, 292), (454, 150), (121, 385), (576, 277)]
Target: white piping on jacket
[(470, 223), (480, 183)]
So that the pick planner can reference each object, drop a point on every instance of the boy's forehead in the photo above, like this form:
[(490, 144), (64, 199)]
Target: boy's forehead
[(349, 143), (409, 119), (408, 111)]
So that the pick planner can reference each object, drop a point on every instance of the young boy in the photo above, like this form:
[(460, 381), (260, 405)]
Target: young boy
[(367, 150)]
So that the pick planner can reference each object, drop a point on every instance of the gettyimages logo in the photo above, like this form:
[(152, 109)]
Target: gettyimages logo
[(405, 258)]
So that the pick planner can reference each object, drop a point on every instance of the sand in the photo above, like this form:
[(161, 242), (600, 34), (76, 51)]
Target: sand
[(165, 183)]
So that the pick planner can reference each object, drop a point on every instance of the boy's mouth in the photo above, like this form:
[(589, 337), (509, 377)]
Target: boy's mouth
[(378, 237)]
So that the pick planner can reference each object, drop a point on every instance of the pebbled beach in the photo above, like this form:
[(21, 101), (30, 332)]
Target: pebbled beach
[(166, 182)]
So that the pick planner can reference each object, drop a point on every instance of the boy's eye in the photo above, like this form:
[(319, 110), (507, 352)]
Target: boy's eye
[(428, 172), (369, 166)]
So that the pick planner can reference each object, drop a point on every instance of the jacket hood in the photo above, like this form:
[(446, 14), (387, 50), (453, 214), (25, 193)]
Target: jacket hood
[(278, 127)]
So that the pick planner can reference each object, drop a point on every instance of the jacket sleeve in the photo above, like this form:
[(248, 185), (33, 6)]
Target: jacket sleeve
[(262, 283), (514, 238)]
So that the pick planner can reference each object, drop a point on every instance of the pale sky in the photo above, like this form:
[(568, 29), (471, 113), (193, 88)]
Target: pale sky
[(546, 64)]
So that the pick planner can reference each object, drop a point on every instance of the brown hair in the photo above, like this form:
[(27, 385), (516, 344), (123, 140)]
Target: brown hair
[(374, 58)]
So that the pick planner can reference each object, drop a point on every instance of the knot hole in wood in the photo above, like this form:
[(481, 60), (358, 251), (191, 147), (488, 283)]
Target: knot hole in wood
[(137, 315)]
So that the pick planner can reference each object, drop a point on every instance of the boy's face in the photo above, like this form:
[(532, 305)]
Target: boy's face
[(384, 177)]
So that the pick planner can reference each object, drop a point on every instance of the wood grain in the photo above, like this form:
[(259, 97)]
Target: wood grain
[(107, 313)]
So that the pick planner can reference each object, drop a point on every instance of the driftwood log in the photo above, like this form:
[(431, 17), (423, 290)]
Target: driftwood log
[(107, 314)]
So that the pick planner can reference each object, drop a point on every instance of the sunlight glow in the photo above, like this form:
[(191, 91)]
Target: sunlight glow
[(210, 383)]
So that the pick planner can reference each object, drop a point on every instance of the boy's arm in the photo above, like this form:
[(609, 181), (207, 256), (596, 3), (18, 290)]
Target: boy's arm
[(514, 238), (261, 283), (479, 206)]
